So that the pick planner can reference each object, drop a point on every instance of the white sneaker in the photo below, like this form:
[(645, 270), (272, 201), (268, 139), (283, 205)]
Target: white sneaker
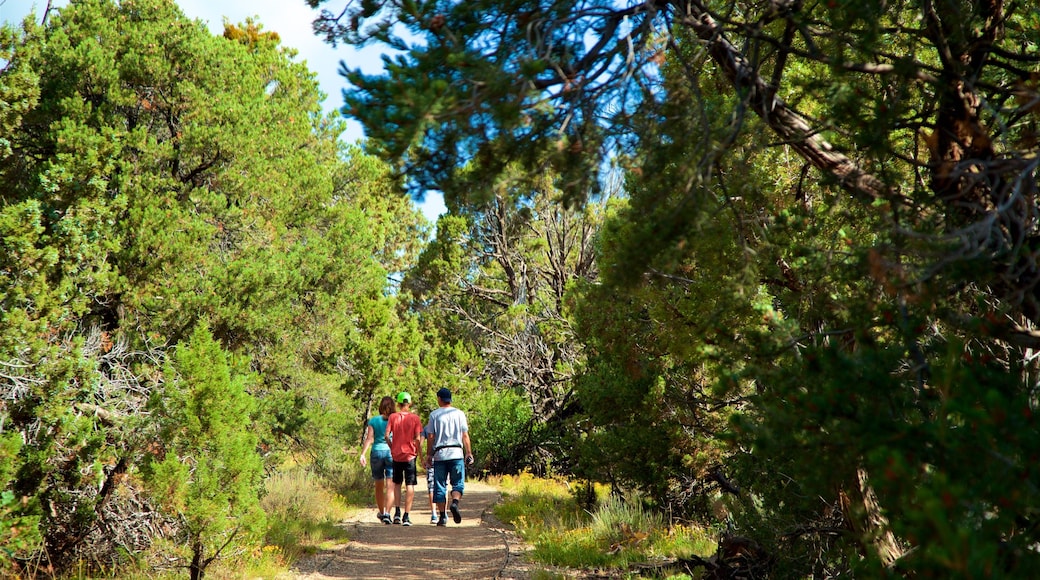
[(433, 517)]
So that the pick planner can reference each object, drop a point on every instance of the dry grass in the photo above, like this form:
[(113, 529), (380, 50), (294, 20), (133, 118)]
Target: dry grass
[(302, 513)]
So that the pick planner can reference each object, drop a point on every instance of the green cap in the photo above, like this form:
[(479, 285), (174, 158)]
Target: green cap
[(404, 397)]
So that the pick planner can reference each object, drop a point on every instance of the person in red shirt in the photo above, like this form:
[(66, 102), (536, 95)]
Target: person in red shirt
[(403, 431)]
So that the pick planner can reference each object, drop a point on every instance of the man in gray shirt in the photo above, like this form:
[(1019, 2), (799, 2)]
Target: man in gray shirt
[(448, 450)]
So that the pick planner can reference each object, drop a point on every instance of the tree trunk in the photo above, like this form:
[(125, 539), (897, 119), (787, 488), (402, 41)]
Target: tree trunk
[(784, 121), (866, 518), (197, 568)]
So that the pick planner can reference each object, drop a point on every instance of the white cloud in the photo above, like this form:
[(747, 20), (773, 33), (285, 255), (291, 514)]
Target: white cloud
[(432, 205)]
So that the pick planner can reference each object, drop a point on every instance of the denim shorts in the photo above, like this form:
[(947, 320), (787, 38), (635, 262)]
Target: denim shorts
[(382, 464), (451, 469)]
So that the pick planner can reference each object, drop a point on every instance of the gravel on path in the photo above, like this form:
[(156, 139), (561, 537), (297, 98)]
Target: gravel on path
[(478, 547)]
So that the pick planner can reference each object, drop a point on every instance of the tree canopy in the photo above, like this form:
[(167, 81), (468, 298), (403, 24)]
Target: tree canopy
[(823, 289)]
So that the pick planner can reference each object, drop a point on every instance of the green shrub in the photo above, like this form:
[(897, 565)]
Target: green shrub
[(19, 534), (209, 475), (500, 425), (19, 528)]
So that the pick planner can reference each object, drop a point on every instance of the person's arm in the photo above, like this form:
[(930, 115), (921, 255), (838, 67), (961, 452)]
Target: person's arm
[(429, 451), (370, 436), (417, 442), (467, 447)]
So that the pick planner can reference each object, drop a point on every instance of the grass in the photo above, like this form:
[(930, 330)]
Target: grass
[(351, 482), (302, 513), (606, 533)]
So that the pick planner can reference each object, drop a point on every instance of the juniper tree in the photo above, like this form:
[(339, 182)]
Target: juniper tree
[(152, 175), (206, 471)]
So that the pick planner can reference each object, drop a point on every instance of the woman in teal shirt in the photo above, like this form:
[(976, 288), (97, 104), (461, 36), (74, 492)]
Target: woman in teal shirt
[(382, 463)]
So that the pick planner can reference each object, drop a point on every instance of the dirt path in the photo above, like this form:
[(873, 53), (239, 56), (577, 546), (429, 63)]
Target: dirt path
[(478, 547)]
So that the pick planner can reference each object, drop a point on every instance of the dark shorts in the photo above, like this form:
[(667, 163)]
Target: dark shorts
[(404, 472)]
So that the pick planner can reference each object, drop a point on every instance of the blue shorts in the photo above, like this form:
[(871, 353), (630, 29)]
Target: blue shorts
[(452, 468), (382, 464)]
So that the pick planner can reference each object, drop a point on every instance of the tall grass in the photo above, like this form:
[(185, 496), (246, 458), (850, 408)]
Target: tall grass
[(302, 513), (351, 482), (608, 533)]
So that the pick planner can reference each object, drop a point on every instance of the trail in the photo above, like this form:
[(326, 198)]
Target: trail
[(478, 547)]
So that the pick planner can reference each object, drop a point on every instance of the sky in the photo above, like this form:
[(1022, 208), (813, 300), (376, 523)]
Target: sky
[(291, 19)]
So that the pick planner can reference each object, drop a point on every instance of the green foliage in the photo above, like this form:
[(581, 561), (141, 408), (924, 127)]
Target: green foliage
[(909, 435), (208, 474), (653, 413), (368, 182), (441, 261), (19, 530), (500, 424), (19, 85), (830, 235)]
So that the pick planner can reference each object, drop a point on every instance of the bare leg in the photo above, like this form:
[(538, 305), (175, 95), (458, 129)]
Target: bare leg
[(390, 499), (409, 495), (380, 495)]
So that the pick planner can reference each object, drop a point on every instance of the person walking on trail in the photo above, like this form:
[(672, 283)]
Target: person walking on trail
[(404, 430), (380, 460), (429, 479), (448, 450)]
